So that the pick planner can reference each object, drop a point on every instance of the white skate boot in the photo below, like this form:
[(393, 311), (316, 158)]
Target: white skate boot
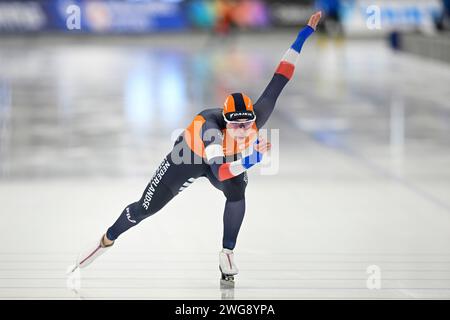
[(227, 267), (90, 254)]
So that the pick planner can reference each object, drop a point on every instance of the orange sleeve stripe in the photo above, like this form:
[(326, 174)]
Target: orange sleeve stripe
[(285, 69)]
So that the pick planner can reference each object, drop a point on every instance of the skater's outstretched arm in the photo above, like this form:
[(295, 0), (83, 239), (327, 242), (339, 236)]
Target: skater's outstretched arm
[(216, 159), (266, 102)]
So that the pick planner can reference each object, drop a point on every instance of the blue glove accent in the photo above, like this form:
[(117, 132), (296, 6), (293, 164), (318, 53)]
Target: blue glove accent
[(252, 159), (301, 38)]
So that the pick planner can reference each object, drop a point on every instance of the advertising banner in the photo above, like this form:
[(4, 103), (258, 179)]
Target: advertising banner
[(366, 17), (91, 16)]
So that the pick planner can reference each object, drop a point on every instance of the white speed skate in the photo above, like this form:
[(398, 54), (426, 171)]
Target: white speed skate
[(227, 267), (90, 254)]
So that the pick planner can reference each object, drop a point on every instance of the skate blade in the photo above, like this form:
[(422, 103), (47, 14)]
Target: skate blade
[(226, 284), (71, 269), (227, 281)]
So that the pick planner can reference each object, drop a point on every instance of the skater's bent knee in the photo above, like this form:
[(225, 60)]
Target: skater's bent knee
[(137, 212), (235, 196)]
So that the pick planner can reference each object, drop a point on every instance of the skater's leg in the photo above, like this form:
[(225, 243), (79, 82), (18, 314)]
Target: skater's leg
[(232, 220), (234, 191), (167, 182), (131, 216), (136, 212)]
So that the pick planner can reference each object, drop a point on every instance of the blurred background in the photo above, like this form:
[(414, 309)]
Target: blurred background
[(93, 93)]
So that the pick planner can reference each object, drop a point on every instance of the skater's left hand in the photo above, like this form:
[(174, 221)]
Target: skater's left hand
[(263, 146), (314, 20)]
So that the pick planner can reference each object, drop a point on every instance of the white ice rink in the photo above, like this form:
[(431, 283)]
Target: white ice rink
[(363, 180)]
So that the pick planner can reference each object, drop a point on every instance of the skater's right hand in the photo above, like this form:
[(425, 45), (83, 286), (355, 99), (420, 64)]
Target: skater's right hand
[(263, 146)]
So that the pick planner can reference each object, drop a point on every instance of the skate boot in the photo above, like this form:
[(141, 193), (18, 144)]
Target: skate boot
[(91, 253), (227, 268)]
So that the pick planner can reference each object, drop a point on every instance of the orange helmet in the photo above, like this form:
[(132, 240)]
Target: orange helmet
[(238, 106)]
